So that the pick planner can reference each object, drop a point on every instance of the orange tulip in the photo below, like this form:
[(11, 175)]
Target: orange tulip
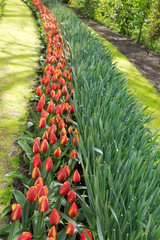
[(35, 148), (39, 181), (49, 164), (53, 94), (52, 138), (45, 135), (61, 124), (70, 229), (16, 212), (35, 173), (50, 107), (68, 116), (42, 123), (59, 110), (64, 140), (44, 114), (43, 191), (76, 140), (63, 132), (83, 237), (53, 129), (72, 108), (70, 129), (43, 204), (58, 118), (32, 194), (54, 217), (73, 210), (48, 90), (73, 154), (38, 91), (64, 90), (71, 197), (52, 121), (64, 189)]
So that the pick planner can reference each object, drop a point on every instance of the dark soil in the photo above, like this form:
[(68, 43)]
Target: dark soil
[(145, 60)]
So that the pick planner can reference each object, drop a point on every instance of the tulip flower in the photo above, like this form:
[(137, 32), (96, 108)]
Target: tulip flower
[(57, 152), (67, 97), (87, 232), (68, 116), (70, 229), (53, 94), (52, 138), (76, 176), (44, 114), (67, 169), (39, 106), (50, 107), (43, 191), (35, 173), (38, 91), (76, 131), (25, 236), (48, 90), (52, 121), (64, 140), (59, 110), (32, 194), (58, 118), (42, 123), (69, 76), (71, 108), (52, 233), (44, 146), (64, 189), (76, 140), (62, 81), (45, 135), (61, 124), (39, 181), (63, 132), (63, 173), (48, 164), (64, 90), (73, 154), (53, 129), (71, 197), (35, 148), (16, 212), (50, 238), (54, 217), (70, 129), (43, 204), (36, 161), (73, 210)]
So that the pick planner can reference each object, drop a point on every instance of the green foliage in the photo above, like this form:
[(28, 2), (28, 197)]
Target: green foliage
[(2, 4), (118, 153)]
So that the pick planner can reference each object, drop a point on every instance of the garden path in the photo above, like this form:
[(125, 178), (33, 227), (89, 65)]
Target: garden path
[(19, 47)]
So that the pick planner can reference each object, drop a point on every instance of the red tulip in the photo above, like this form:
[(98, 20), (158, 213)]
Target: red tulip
[(73, 154), (16, 212), (73, 210), (54, 217), (45, 135), (71, 197), (42, 123), (68, 116), (50, 107), (64, 90), (39, 181), (35, 173), (69, 76), (76, 176), (52, 121), (44, 114), (43, 204), (57, 152), (64, 140), (72, 108), (53, 129), (58, 118), (70, 129), (59, 110), (38, 91), (48, 90), (36, 161), (63, 132), (49, 164), (53, 94), (39, 106), (76, 140), (52, 138), (76, 131), (32, 194), (44, 146), (64, 189), (35, 148), (52, 233), (61, 124), (43, 191), (25, 236), (70, 229), (87, 232)]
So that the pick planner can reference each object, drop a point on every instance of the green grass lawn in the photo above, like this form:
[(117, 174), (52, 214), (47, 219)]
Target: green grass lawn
[(18, 60), (139, 85)]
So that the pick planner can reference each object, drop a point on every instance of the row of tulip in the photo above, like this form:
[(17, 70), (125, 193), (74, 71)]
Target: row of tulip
[(48, 206)]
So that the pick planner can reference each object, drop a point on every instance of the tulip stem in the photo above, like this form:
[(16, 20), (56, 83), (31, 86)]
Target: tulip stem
[(39, 223), (11, 237)]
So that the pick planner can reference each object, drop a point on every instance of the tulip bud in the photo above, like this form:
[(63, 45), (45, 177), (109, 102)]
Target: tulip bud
[(62, 175), (32, 194), (73, 154), (67, 97), (68, 116), (52, 138), (58, 118), (71, 197), (56, 97), (64, 140), (87, 232), (39, 181), (50, 238), (54, 217), (48, 90), (64, 189), (69, 77), (62, 81), (39, 106), (16, 212), (25, 236), (76, 131), (35, 148), (76, 140), (43, 204), (70, 229), (45, 135), (49, 164), (42, 123), (35, 173), (44, 114), (63, 132), (73, 210), (53, 129), (36, 161), (53, 94), (43, 191), (61, 124), (50, 107), (52, 121), (57, 152), (44, 146), (52, 232), (67, 169), (71, 108), (64, 90), (38, 188), (38, 91), (76, 176), (59, 110), (70, 129)]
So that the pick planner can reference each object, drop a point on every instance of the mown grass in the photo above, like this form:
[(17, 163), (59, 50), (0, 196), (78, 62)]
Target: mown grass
[(19, 56)]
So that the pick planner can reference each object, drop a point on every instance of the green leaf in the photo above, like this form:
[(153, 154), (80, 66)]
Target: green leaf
[(7, 210), (6, 229), (16, 174), (25, 147), (20, 197), (29, 124)]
